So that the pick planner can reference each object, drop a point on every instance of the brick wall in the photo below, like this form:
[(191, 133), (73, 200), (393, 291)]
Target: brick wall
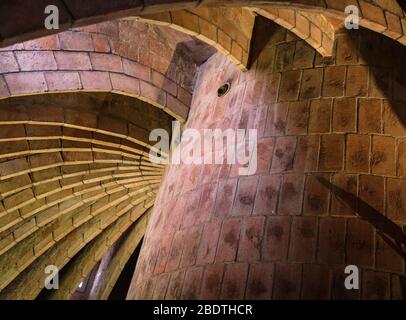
[(328, 190), (127, 57)]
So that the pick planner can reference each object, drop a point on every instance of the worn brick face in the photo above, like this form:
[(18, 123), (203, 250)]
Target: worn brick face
[(344, 115), (334, 81), (331, 153), (360, 238)]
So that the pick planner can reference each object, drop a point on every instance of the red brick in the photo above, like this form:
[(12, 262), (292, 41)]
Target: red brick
[(376, 285), (270, 89), (371, 191), (311, 83), (208, 242), (303, 239), (136, 70), (331, 152), (235, 277), (374, 14), (176, 106), (61, 80), (360, 243), (100, 43), (316, 282), (267, 194), (331, 248), (26, 82), (8, 62), (73, 61), (75, 41), (191, 211), (369, 115), (95, 80), (3, 88), (290, 83), (287, 281), (347, 52), (260, 281), (152, 93), (229, 238), (106, 62), (211, 284), (304, 54), (184, 96), (284, 153), (357, 81), (251, 239), (191, 284), (320, 115), (264, 155), (207, 202), (401, 161), (344, 115), (387, 258), (285, 55), (192, 241), (245, 196), (175, 285), (396, 199), (290, 197), (357, 155), (125, 84), (225, 197), (166, 242), (175, 253), (297, 118), (307, 152), (161, 285), (36, 60), (393, 113), (277, 117), (383, 159), (334, 81), (317, 196), (276, 238), (252, 93), (50, 42), (380, 82), (347, 183), (161, 81)]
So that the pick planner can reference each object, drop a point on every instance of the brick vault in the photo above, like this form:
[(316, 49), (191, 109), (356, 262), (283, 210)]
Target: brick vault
[(79, 191)]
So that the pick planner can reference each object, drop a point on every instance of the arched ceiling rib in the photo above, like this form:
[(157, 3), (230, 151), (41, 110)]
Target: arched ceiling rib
[(70, 180), (385, 17)]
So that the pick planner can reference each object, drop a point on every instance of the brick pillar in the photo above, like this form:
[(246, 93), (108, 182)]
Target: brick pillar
[(330, 180)]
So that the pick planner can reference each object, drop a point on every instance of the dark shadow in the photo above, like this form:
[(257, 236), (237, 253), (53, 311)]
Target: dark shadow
[(390, 232), (386, 60), (120, 289), (402, 3), (262, 33)]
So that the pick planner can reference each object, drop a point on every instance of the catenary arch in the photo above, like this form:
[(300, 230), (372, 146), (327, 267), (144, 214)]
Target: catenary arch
[(71, 182)]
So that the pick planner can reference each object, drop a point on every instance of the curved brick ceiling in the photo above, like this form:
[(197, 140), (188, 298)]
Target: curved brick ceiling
[(75, 173), (125, 57), (312, 20)]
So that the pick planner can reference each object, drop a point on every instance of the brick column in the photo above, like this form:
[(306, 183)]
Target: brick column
[(330, 180)]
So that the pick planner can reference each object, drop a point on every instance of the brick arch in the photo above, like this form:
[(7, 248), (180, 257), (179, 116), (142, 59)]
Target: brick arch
[(70, 180), (97, 58), (229, 30), (387, 18)]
